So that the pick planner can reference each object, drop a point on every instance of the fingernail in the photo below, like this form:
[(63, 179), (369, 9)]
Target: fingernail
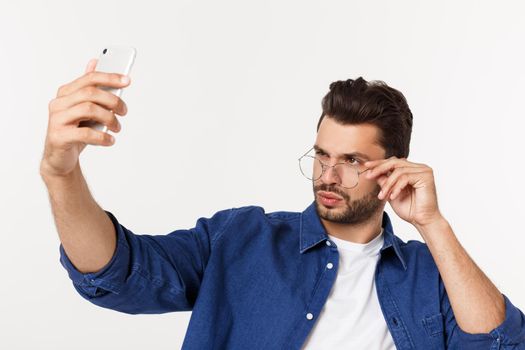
[(124, 79)]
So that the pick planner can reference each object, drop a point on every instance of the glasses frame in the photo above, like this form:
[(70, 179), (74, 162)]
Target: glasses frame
[(325, 166)]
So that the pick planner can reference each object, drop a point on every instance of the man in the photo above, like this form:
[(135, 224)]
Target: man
[(331, 277)]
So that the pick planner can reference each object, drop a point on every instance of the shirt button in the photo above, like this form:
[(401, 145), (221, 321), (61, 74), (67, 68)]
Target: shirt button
[(328, 243), (309, 316), (329, 265)]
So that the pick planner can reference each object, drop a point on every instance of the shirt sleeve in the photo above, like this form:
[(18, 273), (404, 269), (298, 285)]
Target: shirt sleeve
[(151, 273), (510, 334)]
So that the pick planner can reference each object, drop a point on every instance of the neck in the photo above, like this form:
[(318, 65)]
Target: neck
[(358, 233)]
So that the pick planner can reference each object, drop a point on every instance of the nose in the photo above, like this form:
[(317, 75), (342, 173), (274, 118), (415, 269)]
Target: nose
[(330, 176)]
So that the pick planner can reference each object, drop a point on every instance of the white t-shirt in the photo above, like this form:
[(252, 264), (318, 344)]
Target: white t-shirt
[(352, 317)]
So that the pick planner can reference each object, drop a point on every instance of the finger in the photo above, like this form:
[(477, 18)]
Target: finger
[(388, 165), (401, 176), (376, 162), (395, 176), (91, 94), (91, 65), (113, 80), (412, 179), (88, 136), (381, 180), (378, 167), (398, 187), (87, 111)]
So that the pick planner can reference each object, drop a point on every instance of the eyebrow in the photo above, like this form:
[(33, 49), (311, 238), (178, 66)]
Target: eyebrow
[(345, 155)]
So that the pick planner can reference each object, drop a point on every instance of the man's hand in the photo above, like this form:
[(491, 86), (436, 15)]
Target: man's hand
[(478, 306), (79, 100), (408, 187)]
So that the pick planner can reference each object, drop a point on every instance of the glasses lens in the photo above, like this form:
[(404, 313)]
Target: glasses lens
[(348, 174), (307, 165), (311, 168)]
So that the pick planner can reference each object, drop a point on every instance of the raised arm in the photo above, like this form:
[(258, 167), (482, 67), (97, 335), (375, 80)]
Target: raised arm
[(85, 231)]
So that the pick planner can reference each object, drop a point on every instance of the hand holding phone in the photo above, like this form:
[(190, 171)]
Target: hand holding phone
[(92, 99), (112, 59)]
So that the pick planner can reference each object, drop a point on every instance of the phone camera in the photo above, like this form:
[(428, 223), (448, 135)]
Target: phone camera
[(105, 50)]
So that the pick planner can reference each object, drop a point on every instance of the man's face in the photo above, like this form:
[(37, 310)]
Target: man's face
[(359, 203)]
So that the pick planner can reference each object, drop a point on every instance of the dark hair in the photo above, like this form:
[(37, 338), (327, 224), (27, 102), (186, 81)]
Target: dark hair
[(361, 102)]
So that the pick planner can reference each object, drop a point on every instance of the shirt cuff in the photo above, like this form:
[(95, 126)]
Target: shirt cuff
[(111, 277), (512, 330)]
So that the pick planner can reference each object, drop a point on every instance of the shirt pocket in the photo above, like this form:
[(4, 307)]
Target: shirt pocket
[(434, 327)]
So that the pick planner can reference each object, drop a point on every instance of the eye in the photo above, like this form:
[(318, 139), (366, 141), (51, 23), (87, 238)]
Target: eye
[(355, 161)]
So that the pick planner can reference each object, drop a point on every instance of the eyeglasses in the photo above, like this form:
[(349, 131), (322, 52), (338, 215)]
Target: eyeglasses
[(313, 168)]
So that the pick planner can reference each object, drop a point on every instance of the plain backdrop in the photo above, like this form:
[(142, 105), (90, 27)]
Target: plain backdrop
[(225, 96)]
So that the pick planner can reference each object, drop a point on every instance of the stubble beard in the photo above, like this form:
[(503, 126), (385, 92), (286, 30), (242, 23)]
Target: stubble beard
[(351, 212)]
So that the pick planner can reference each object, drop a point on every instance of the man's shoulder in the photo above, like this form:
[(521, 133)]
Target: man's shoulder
[(416, 252), (257, 211), (248, 221), (412, 246)]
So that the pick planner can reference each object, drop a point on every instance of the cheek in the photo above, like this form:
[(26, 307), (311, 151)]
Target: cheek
[(370, 186), (378, 181), (369, 183)]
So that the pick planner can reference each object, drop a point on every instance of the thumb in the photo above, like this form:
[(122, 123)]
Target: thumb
[(91, 65)]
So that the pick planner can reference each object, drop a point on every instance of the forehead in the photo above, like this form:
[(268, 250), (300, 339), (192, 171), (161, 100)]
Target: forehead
[(339, 139)]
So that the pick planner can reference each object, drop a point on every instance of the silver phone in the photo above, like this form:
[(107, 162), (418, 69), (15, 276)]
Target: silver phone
[(112, 59)]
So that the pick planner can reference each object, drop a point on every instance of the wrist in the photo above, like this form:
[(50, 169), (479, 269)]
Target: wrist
[(51, 177), (437, 224)]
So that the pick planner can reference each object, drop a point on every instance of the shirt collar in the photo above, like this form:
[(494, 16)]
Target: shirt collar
[(312, 232)]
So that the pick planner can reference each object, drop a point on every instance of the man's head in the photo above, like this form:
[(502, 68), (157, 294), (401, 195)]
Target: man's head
[(363, 117)]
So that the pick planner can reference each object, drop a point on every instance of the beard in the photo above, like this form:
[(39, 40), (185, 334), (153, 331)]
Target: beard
[(352, 212)]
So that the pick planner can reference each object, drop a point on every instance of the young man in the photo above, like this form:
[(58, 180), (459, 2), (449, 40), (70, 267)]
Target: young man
[(334, 276)]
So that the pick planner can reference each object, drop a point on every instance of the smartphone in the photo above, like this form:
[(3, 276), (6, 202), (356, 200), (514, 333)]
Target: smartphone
[(112, 59)]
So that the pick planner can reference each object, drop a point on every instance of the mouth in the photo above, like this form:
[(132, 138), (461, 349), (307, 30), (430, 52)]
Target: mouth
[(328, 198)]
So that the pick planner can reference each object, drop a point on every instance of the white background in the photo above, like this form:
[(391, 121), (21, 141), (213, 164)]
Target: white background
[(225, 96)]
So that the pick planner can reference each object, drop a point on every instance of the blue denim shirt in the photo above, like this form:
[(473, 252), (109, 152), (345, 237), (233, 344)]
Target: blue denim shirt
[(250, 278)]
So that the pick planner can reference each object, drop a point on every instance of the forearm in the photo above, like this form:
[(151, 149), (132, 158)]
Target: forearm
[(478, 305), (86, 232)]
